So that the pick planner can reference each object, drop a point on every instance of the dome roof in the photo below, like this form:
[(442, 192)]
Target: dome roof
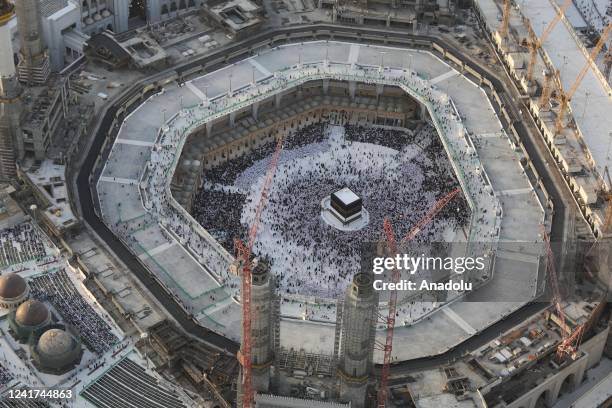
[(55, 342), (11, 286), (31, 313)]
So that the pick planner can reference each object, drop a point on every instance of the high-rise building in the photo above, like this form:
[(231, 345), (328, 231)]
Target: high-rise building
[(357, 334), (33, 67), (11, 146)]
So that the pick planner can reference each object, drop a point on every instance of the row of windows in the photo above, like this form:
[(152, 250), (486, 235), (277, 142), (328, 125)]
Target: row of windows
[(182, 4)]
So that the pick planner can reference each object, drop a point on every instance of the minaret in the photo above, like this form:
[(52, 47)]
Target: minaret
[(262, 298), (33, 67), (358, 329), (262, 328), (11, 144)]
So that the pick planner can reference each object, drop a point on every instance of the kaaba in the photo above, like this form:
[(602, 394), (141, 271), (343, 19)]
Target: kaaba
[(346, 205)]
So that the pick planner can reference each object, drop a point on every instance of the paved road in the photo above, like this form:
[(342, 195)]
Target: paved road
[(87, 203)]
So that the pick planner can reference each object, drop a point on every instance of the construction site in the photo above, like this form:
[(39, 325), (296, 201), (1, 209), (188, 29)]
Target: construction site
[(223, 206)]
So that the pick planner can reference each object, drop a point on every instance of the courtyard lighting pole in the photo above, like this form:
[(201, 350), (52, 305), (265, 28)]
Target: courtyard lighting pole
[(300, 58), (164, 113), (382, 60), (230, 84), (563, 67), (144, 336)]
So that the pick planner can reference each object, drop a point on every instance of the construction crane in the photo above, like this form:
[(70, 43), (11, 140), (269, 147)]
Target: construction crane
[(243, 256), (535, 43), (390, 319), (566, 97), (551, 79), (569, 339), (503, 31)]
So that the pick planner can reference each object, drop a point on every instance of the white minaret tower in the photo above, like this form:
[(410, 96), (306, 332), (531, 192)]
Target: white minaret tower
[(11, 143)]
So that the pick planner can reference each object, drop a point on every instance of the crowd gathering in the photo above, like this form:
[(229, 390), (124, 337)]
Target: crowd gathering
[(19, 244), (446, 122), (597, 13), (58, 289), (5, 376), (393, 176)]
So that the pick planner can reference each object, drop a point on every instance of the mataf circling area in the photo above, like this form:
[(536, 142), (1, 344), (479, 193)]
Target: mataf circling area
[(316, 161)]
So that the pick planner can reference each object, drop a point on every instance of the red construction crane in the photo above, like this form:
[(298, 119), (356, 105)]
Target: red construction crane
[(390, 320), (569, 339), (244, 257)]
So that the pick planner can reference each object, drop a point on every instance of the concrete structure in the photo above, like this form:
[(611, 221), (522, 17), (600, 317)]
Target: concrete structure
[(13, 291), (61, 27), (518, 369), (599, 396), (262, 326), (33, 65), (11, 147), (273, 401), (552, 379), (55, 349), (239, 17), (262, 329), (48, 183), (357, 333), (29, 317), (582, 150), (159, 10), (100, 15), (392, 13), (44, 110)]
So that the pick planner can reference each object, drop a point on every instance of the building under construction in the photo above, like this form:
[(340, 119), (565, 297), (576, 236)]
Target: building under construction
[(357, 335), (349, 373), (33, 67), (11, 144)]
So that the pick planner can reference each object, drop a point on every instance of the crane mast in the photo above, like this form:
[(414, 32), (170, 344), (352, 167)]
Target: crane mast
[(395, 276), (503, 31), (566, 97), (244, 252), (569, 339), (535, 43)]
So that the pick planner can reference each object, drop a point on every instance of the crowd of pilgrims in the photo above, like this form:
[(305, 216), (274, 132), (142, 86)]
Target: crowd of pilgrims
[(58, 289), (5, 376), (596, 17), (20, 243), (292, 217), (224, 225)]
